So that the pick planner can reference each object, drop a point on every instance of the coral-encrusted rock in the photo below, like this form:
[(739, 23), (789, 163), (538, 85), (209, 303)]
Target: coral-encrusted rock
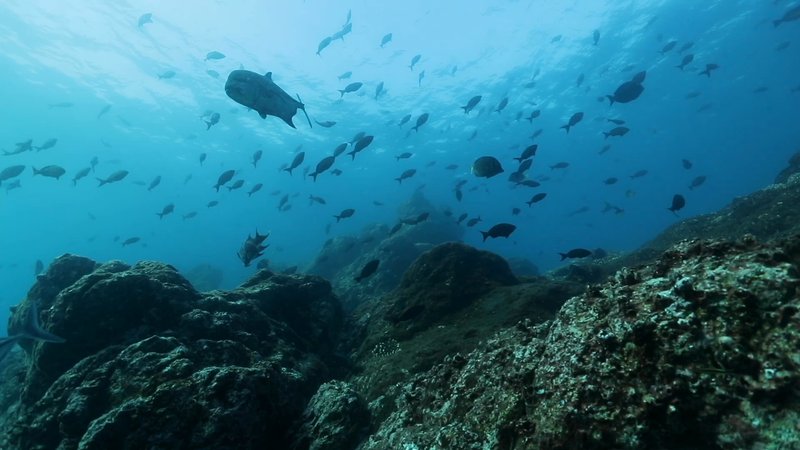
[(150, 363), (444, 280), (699, 350), (793, 168), (336, 418)]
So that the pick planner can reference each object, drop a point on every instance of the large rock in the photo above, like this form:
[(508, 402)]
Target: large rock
[(336, 418), (151, 363), (698, 350)]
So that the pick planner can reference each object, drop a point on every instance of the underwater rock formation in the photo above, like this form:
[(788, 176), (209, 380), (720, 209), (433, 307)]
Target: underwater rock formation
[(205, 277), (791, 169), (336, 418), (149, 362), (700, 349)]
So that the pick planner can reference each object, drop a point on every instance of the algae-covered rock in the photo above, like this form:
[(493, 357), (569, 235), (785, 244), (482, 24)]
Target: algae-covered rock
[(336, 418), (698, 350)]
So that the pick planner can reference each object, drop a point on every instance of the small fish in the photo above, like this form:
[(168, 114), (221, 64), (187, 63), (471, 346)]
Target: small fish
[(212, 73), (367, 270), (474, 221), (515, 211), (459, 194), (345, 76), (536, 199), (451, 167), (202, 158), (420, 78), (11, 172), (81, 174), (405, 155), (224, 177), (314, 199), (156, 181), (340, 149), (103, 111), (686, 46), (610, 181), (114, 177), (51, 171), (790, 15), (461, 218), (214, 55), (596, 36), (236, 185), (352, 87), (616, 121), (576, 253), (213, 119), (360, 145), (499, 230), (145, 19), (255, 189), (322, 166), (212, 204), (378, 90), (414, 61), (472, 103), (618, 131), (502, 105), (685, 61), (386, 39), (577, 117), (323, 44), (709, 68), (686, 164), (50, 143), (345, 214), (639, 174), (257, 157), (782, 46), (189, 215), (420, 122), (298, 159), (678, 202), (579, 80), (560, 165), (534, 115), (404, 120), (406, 175), (697, 182), (669, 46), (130, 240), (166, 75), (325, 124), (166, 211)]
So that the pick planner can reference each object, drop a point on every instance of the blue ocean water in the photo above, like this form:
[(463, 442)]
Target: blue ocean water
[(86, 74)]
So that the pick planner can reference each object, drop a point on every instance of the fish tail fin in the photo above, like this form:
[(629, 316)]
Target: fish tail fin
[(353, 154), (485, 235), (314, 176), (415, 129), (530, 203), (160, 215), (680, 66), (102, 182), (35, 170), (217, 187), (342, 93), (610, 99), (399, 180), (466, 111), (529, 119), (563, 256), (338, 218), (303, 107), (288, 169), (208, 125), (566, 127)]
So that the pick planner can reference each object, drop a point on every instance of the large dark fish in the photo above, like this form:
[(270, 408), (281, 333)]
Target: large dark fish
[(576, 253), (361, 144), (322, 166), (114, 177), (529, 152), (629, 90), (11, 172), (536, 199), (486, 167), (298, 159), (499, 230), (224, 178), (263, 95), (678, 202), (50, 171), (420, 121)]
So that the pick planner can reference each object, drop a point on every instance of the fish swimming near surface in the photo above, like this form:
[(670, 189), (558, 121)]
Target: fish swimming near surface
[(114, 177), (224, 178), (29, 329), (629, 90), (499, 230), (260, 93), (386, 39), (789, 16), (486, 167), (352, 87), (51, 171), (298, 159), (368, 270), (472, 103), (420, 121), (678, 202), (576, 253), (577, 117)]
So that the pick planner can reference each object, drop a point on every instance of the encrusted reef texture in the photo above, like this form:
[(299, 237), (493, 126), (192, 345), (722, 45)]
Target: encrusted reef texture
[(699, 350), (151, 363)]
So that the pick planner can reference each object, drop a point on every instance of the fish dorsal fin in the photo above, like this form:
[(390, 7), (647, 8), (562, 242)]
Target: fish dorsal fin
[(268, 76)]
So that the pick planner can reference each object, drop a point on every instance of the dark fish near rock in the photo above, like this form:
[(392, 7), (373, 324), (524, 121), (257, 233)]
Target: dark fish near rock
[(51, 171), (789, 16), (577, 117), (618, 131), (686, 60), (472, 103), (499, 230), (576, 253), (420, 121), (345, 214), (697, 182), (368, 270), (29, 329), (325, 124), (486, 167), (352, 87), (114, 177), (257, 157), (166, 211), (322, 166), (678, 202), (406, 175), (224, 178), (529, 152), (298, 159), (263, 95), (252, 248)]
